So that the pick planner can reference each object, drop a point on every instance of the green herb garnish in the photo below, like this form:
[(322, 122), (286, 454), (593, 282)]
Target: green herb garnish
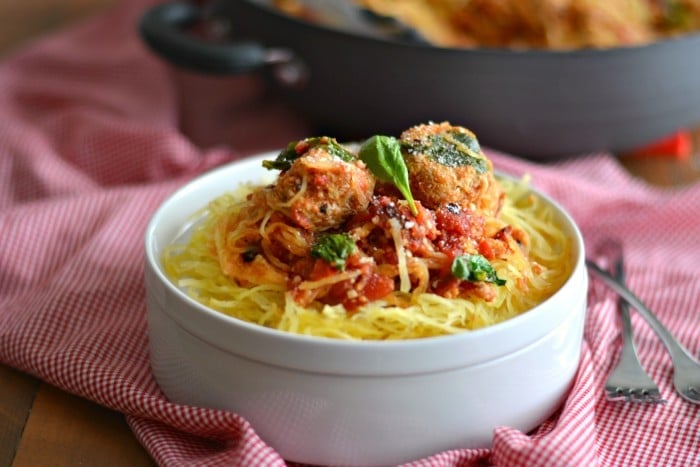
[(334, 249), (451, 149), (475, 268), (284, 159), (288, 155), (382, 154)]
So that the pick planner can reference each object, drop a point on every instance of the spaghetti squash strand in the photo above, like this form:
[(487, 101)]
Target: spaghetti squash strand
[(193, 266)]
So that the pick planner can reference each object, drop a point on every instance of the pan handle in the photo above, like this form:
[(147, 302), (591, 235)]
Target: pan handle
[(163, 30)]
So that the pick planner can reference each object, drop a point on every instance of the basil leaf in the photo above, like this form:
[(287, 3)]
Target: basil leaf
[(284, 159), (338, 150), (334, 249), (382, 154), (475, 268), (451, 149), (288, 155)]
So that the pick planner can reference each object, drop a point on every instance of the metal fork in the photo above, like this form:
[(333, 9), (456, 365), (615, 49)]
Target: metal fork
[(686, 369), (628, 381)]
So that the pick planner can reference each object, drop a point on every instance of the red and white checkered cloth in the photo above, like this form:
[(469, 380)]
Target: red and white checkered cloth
[(90, 145)]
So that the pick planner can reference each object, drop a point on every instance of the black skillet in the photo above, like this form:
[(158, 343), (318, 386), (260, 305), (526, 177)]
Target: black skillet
[(542, 105)]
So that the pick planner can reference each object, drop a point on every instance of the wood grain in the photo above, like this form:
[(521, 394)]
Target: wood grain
[(39, 424), (667, 171), (25, 20), (64, 431), (17, 392)]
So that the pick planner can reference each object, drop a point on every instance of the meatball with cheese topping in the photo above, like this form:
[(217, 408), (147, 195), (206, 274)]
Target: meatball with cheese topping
[(323, 186), (446, 165)]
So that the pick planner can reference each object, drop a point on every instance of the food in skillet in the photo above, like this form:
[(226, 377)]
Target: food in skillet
[(546, 24), (406, 237)]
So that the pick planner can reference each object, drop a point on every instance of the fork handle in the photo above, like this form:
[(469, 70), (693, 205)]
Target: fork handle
[(628, 346), (678, 353)]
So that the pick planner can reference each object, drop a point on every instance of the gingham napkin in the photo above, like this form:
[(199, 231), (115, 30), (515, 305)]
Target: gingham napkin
[(89, 147)]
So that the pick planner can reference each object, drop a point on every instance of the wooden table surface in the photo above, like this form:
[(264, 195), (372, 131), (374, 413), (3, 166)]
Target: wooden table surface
[(42, 425)]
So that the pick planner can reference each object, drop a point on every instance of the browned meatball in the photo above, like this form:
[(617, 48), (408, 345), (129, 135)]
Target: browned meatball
[(446, 165), (321, 191)]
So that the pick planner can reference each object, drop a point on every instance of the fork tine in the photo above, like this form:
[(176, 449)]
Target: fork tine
[(628, 381), (638, 395), (616, 394), (649, 395), (692, 394)]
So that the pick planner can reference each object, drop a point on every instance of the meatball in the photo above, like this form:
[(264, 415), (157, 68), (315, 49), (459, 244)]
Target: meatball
[(320, 190), (446, 165)]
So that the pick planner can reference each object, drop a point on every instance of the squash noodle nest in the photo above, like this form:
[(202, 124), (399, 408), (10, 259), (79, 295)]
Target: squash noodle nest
[(532, 274)]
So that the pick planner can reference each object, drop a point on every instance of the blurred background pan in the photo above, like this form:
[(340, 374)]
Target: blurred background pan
[(352, 78)]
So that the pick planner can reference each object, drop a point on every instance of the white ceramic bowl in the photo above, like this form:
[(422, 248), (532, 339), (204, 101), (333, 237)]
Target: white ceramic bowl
[(324, 401)]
